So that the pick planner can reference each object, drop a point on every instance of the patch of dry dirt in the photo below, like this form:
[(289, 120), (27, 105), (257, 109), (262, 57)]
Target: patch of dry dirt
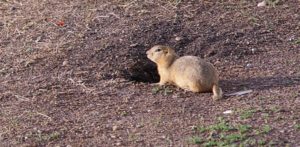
[(75, 72)]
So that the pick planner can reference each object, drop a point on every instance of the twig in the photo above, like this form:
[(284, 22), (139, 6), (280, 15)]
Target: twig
[(86, 89), (44, 115), (239, 93), (22, 98)]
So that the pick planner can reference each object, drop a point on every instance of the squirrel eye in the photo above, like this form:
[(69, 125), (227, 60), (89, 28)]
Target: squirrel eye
[(158, 50)]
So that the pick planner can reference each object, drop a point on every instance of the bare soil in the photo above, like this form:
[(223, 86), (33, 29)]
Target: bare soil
[(75, 73)]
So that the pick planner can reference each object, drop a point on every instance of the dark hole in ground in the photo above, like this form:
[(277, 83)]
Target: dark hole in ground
[(142, 71)]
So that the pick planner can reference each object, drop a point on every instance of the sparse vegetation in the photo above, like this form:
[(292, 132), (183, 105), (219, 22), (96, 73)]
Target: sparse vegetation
[(297, 126), (266, 129), (221, 126), (162, 90), (248, 142), (297, 41), (261, 142), (156, 89), (212, 143), (40, 136), (247, 113), (194, 140), (243, 128), (224, 133), (272, 3)]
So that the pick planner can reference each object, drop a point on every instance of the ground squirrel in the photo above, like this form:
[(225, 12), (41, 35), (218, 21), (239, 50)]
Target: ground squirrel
[(188, 72)]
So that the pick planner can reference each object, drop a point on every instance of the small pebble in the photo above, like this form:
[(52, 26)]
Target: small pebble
[(253, 50), (134, 45), (217, 63), (178, 38), (114, 128), (113, 136), (139, 126), (262, 4), (118, 143), (65, 63), (227, 112), (249, 65)]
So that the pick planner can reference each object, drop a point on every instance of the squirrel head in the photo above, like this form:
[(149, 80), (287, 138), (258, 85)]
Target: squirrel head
[(161, 55)]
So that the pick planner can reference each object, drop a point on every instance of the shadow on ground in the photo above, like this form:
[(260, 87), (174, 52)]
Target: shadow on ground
[(259, 83)]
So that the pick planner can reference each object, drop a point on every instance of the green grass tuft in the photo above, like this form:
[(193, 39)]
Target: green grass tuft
[(244, 128), (297, 126), (231, 138), (266, 129), (195, 140), (247, 114)]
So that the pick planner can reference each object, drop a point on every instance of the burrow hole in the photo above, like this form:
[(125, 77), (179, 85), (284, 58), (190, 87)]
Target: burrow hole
[(142, 71)]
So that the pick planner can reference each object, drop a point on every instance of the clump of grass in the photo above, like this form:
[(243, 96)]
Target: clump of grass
[(224, 133), (158, 120), (297, 41), (211, 143), (244, 128), (155, 90), (247, 113), (132, 137), (248, 142), (266, 129), (272, 3), (231, 138), (167, 91), (265, 115), (253, 20), (43, 136), (53, 135), (297, 126), (195, 140), (124, 113), (275, 109), (161, 89), (262, 142), (201, 129), (221, 133), (221, 126)]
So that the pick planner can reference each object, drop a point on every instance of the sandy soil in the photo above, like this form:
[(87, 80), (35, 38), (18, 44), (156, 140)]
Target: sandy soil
[(75, 73)]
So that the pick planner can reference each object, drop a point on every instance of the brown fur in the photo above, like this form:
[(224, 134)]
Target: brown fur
[(187, 72)]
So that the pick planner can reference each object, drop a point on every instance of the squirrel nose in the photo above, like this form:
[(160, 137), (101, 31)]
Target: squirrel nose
[(147, 52)]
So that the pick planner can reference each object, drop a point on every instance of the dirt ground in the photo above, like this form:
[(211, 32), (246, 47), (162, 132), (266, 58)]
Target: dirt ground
[(75, 73)]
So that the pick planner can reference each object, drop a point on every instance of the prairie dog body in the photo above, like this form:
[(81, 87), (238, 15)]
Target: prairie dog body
[(188, 72)]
